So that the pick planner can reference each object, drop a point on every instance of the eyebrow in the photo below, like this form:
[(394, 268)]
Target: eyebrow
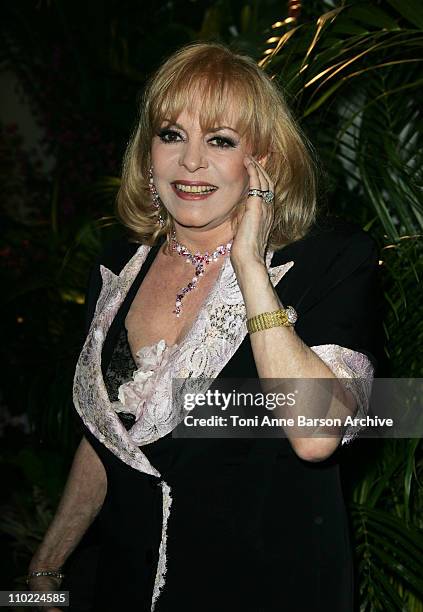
[(211, 130)]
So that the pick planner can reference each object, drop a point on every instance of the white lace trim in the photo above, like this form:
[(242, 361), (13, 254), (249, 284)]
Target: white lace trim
[(162, 563), (355, 372), (89, 392)]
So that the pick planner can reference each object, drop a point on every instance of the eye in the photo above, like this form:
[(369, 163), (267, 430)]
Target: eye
[(223, 142), (169, 136)]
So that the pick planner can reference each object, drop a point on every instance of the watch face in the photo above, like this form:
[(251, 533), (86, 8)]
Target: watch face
[(292, 315)]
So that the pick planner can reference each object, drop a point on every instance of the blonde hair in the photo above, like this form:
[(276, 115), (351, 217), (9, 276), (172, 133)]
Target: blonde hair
[(264, 119)]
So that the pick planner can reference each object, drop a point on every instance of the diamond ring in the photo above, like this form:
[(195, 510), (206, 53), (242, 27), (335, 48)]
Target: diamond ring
[(267, 196)]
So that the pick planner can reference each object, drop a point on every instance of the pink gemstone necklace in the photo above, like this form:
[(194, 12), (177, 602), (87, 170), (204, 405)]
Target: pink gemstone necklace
[(199, 261)]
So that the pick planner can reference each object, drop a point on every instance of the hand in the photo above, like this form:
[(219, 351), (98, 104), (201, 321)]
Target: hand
[(252, 227), (45, 583)]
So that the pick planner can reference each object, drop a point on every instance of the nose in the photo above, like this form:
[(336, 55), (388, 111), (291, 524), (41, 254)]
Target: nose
[(193, 156)]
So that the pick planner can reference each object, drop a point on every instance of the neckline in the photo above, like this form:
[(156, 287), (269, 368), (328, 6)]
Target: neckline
[(179, 341)]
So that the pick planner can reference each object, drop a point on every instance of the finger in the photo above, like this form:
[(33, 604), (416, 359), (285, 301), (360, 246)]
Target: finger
[(264, 177), (253, 173), (256, 182), (262, 182), (266, 182)]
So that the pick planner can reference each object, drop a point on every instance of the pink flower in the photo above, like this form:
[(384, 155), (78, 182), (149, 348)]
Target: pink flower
[(134, 394)]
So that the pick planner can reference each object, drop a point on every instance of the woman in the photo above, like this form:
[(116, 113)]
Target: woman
[(216, 166)]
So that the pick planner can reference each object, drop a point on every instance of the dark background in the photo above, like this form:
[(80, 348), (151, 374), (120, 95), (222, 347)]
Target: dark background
[(71, 77)]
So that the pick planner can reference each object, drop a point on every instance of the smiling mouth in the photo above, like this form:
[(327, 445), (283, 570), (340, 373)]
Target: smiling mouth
[(194, 188)]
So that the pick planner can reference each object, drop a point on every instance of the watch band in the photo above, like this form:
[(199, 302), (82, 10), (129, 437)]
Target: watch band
[(284, 317)]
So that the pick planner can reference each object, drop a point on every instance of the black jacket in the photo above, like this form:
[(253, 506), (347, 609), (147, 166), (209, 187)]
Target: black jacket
[(252, 526)]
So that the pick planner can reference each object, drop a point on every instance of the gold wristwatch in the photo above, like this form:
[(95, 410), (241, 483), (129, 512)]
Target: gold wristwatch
[(284, 317)]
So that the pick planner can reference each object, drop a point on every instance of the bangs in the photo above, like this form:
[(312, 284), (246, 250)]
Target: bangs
[(223, 98)]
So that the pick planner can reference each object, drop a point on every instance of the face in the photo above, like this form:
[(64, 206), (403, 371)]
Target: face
[(200, 177)]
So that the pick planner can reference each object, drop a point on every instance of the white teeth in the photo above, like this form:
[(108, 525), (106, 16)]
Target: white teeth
[(195, 188)]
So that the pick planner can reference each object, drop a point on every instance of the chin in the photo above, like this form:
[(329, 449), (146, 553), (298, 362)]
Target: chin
[(195, 222), (190, 217)]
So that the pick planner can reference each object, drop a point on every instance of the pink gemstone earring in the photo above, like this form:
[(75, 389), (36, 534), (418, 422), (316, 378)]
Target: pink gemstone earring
[(155, 198)]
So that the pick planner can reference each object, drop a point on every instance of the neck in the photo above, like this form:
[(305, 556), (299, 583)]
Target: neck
[(202, 240)]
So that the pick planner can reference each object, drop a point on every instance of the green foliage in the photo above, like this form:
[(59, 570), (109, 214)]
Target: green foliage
[(387, 525), (353, 74)]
